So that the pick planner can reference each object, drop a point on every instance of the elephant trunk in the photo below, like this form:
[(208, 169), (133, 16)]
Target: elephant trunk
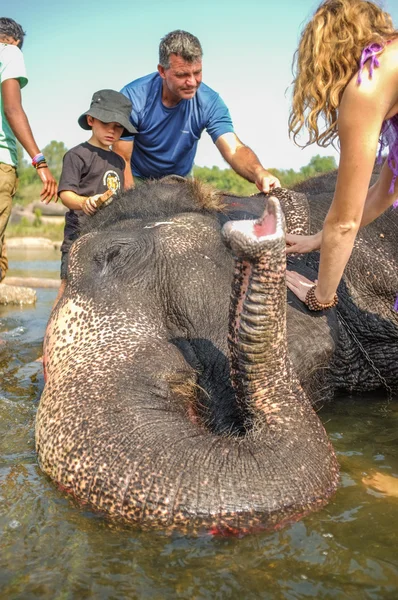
[(260, 369)]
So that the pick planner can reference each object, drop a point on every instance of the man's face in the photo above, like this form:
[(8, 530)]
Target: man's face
[(7, 39), (182, 78)]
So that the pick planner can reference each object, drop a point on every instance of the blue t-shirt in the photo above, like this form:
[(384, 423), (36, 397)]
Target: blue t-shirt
[(167, 138)]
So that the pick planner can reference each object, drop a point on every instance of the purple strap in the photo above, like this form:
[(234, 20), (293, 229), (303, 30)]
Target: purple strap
[(369, 52), (389, 131)]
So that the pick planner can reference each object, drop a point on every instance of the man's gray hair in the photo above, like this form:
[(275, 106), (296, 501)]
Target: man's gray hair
[(10, 28), (182, 43)]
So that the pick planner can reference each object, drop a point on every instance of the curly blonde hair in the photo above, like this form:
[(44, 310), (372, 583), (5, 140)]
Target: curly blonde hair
[(327, 58)]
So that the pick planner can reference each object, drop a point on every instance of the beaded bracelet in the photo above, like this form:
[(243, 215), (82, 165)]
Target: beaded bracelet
[(313, 303), (38, 159)]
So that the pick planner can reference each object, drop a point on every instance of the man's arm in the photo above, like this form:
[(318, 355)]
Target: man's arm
[(18, 121), (125, 150), (244, 162)]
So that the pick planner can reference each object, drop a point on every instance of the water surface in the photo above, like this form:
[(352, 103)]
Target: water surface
[(51, 548)]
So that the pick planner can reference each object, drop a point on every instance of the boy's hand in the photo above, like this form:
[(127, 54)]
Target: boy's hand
[(89, 205)]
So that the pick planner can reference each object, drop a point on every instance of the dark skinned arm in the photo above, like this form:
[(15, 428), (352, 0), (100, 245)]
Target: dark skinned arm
[(18, 121)]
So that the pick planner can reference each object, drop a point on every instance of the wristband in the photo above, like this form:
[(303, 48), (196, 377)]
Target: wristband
[(38, 159), (313, 303)]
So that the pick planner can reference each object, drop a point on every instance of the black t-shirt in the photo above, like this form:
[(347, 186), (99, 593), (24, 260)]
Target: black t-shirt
[(88, 170)]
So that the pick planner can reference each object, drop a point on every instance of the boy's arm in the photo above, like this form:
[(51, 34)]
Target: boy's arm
[(18, 121), (125, 150), (74, 201)]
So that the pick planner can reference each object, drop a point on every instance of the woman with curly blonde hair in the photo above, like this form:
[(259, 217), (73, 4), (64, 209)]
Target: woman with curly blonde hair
[(346, 88)]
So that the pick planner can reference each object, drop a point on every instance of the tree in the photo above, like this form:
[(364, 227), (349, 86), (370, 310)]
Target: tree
[(54, 153), (29, 184), (317, 165), (223, 179), (228, 181)]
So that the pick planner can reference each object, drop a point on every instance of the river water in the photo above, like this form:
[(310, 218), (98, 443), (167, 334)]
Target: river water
[(51, 548)]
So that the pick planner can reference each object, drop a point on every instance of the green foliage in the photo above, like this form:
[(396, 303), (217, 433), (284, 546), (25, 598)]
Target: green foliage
[(53, 231), (228, 181), (29, 183), (30, 186), (318, 165), (54, 153), (37, 222), (28, 191)]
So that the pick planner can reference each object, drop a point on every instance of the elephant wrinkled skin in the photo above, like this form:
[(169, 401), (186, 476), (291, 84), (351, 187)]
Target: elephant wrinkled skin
[(171, 401)]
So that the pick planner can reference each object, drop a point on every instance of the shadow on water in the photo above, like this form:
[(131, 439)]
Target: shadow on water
[(52, 549)]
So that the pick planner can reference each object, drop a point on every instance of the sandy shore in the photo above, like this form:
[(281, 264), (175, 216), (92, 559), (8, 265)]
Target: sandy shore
[(38, 243)]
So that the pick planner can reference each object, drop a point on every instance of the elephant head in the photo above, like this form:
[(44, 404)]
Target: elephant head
[(170, 398)]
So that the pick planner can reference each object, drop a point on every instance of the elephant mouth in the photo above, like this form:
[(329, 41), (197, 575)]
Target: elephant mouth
[(250, 239)]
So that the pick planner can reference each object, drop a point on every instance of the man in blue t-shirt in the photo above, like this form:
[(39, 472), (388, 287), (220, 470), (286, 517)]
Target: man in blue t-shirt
[(171, 109)]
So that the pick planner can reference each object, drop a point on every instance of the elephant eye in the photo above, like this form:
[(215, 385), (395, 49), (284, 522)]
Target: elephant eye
[(104, 258), (113, 253)]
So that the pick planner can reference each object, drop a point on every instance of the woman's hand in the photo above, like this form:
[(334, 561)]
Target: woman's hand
[(298, 284), (301, 244)]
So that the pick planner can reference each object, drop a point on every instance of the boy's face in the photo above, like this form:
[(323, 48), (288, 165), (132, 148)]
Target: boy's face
[(105, 134)]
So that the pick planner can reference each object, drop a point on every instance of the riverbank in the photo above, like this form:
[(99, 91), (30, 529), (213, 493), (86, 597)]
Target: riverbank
[(38, 243), (20, 286)]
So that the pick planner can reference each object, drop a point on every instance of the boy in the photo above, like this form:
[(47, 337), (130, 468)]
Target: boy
[(92, 168)]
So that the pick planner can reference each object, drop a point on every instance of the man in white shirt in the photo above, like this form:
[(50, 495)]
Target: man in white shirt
[(14, 125)]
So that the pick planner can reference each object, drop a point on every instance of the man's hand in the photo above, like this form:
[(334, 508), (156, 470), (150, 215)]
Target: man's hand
[(267, 182), (50, 188), (244, 162), (301, 244)]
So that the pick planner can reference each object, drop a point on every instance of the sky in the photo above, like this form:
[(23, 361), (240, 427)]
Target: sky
[(77, 47)]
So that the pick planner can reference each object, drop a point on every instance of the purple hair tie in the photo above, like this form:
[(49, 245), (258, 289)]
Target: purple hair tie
[(369, 53), (396, 304)]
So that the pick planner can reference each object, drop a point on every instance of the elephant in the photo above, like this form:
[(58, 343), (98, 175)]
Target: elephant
[(364, 351), (170, 399), (353, 348)]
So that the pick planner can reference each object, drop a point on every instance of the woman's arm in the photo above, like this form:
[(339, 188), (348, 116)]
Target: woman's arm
[(378, 199), (361, 114)]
